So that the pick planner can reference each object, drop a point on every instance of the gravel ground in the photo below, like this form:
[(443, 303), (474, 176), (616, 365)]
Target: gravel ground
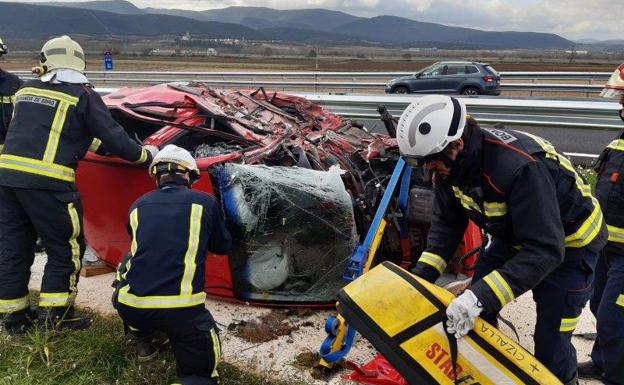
[(276, 358)]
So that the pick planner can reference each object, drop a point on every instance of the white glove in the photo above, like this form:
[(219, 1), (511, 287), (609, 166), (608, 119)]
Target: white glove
[(153, 150), (462, 313)]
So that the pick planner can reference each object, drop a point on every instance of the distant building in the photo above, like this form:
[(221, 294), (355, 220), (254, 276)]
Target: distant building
[(577, 52), (186, 37)]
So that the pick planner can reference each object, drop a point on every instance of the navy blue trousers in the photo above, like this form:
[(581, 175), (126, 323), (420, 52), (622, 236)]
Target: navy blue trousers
[(562, 295), (57, 218), (607, 304), (193, 335)]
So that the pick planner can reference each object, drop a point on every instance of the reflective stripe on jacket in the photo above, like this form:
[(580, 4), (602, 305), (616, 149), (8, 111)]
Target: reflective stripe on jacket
[(172, 230), (610, 192), (9, 84), (53, 126), (521, 191)]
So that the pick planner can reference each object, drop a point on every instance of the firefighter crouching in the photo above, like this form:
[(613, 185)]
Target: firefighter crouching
[(607, 302), (546, 226), (160, 285), (9, 84), (55, 120)]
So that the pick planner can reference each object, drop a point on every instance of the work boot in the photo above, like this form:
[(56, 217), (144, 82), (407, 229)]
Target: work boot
[(62, 318), (589, 370), (148, 345), (573, 381), (17, 323)]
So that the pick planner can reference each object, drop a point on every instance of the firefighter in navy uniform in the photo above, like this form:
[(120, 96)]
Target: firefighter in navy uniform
[(546, 226), (607, 302), (9, 84), (160, 285), (55, 120)]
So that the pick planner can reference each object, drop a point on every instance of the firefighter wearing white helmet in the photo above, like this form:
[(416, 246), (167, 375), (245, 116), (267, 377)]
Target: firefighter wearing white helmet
[(607, 302), (55, 120), (174, 161), (160, 285), (9, 84), (545, 226)]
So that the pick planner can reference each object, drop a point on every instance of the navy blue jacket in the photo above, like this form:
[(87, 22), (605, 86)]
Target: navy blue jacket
[(523, 192), (172, 229)]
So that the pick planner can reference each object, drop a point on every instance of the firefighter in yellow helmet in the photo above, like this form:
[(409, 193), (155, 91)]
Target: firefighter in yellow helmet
[(607, 302), (9, 84), (55, 120)]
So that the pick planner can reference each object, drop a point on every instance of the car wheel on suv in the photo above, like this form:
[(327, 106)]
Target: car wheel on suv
[(471, 91), (401, 90)]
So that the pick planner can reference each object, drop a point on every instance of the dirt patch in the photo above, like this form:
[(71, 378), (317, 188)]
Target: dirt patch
[(310, 360), (265, 328)]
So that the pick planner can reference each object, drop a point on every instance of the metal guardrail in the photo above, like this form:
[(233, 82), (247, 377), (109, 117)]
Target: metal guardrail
[(513, 112), (492, 110), (517, 112), (350, 81)]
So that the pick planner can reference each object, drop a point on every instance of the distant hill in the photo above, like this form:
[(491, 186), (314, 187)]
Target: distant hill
[(400, 30), (115, 6), (34, 20), (318, 26)]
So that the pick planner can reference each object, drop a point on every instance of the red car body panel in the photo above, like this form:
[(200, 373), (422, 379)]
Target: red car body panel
[(257, 121)]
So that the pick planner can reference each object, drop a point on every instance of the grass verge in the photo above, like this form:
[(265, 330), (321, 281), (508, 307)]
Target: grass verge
[(101, 355)]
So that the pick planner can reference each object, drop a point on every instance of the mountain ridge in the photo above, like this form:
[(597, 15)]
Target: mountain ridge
[(317, 25)]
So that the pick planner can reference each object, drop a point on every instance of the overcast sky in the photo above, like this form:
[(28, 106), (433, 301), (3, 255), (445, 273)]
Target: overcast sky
[(573, 19)]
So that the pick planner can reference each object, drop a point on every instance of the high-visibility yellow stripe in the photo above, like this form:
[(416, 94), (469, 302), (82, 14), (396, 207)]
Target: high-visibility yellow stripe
[(134, 224), (588, 229), (38, 167), (13, 305), (465, 200), (55, 132), (568, 324), (142, 158), (617, 145), (73, 100), (500, 287), (160, 301), (75, 248), (433, 260), (495, 209), (591, 226), (95, 145), (616, 234), (186, 286), (216, 347), (620, 300), (54, 299), (64, 102), (7, 99)]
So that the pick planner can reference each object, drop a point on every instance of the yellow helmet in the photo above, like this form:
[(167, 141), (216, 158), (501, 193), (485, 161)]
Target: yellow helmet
[(62, 52), (615, 85)]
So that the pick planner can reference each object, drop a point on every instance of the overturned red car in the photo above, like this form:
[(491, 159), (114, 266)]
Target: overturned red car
[(298, 186)]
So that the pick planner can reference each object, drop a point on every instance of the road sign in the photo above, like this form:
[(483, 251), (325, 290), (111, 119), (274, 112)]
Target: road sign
[(108, 61)]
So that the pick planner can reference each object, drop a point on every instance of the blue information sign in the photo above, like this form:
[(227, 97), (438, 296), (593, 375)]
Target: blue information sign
[(108, 61)]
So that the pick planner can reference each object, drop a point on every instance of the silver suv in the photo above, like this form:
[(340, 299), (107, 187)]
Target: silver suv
[(449, 77)]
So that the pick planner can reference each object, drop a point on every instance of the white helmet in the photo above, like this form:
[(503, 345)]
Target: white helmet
[(615, 85), (62, 52), (174, 159), (3, 48), (429, 124)]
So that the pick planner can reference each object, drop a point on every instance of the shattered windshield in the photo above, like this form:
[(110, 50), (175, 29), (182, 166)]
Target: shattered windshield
[(293, 231)]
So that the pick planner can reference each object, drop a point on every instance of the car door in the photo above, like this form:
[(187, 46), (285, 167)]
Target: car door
[(453, 78), (429, 81)]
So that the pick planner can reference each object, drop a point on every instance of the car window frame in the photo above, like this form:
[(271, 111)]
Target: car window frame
[(458, 66)]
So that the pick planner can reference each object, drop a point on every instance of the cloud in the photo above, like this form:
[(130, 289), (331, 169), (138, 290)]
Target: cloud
[(570, 18)]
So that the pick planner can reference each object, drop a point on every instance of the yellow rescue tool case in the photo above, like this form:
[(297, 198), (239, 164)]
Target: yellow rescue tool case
[(402, 316)]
